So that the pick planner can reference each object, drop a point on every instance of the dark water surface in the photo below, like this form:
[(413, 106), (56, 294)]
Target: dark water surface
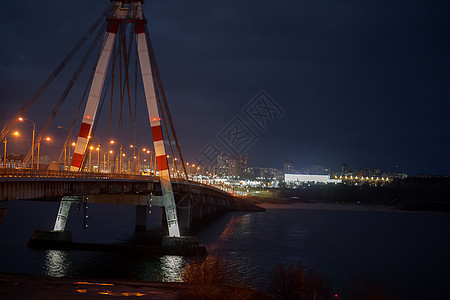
[(405, 254)]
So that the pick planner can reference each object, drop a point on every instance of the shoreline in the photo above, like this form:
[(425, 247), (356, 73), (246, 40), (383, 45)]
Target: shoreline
[(281, 204), (24, 286), (329, 206)]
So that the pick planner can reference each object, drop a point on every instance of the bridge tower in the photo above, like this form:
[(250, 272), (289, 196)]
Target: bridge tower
[(126, 11)]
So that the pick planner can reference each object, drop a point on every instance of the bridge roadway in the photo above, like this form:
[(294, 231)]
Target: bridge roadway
[(195, 201)]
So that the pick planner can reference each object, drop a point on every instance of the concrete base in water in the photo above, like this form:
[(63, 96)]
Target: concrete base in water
[(62, 240), (56, 238), (185, 244)]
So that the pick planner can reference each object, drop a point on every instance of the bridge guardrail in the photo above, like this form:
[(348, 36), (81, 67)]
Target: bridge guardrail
[(10, 172)]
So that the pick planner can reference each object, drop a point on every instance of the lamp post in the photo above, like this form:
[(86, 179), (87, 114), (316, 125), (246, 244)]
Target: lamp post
[(104, 161), (110, 152), (129, 164), (16, 133), (38, 149), (90, 160), (98, 158), (67, 146), (136, 165), (112, 142), (120, 167), (32, 141), (98, 151), (151, 165), (73, 146)]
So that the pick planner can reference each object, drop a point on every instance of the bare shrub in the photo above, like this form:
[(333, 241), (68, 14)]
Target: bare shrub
[(296, 282), (213, 270), (214, 278)]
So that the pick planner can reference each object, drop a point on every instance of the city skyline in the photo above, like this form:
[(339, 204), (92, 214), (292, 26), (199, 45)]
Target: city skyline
[(364, 84)]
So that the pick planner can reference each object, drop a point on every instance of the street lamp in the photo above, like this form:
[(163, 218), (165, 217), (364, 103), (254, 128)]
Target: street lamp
[(90, 160), (69, 138), (110, 152), (136, 166), (16, 133), (48, 139), (98, 151), (32, 141), (112, 142), (120, 168), (98, 158), (129, 164)]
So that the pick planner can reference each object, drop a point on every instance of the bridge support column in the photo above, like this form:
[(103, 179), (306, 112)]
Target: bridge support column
[(58, 237), (63, 212), (184, 212), (141, 218), (206, 211), (213, 206), (197, 211)]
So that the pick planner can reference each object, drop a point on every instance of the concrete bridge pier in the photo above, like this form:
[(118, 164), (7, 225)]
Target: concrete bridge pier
[(206, 210), (197, 209), (184, 212), (58, 236), (213, 206)]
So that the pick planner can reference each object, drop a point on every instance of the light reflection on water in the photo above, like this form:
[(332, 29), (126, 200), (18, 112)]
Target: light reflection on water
[(171, 268), (57, 263)]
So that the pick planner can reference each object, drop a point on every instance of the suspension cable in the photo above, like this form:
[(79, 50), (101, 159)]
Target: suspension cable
[(66, 91), (163, 96), (49, 80)]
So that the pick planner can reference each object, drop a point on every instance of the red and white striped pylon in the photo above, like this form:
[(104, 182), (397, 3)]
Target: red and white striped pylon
[(120, 15), (94, 95)]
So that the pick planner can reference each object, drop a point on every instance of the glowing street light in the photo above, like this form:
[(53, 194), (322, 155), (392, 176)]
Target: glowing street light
[(15, 133), (120, 155), (136, 164), (48, 139), (110, 152), (90, 160), (21, 119), (98, 158)]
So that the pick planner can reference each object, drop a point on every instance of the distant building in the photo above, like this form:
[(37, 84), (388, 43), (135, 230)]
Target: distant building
[(243, 162), (288, 167), (229, 165), (308, 178), (222, 165)]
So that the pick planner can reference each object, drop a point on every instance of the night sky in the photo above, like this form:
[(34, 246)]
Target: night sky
[(365, 83)]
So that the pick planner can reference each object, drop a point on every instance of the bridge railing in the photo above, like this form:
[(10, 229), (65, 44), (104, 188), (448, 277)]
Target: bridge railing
[(9, 172), (18, 173)]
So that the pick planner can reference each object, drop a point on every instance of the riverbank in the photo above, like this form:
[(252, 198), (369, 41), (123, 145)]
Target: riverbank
[(268, 203), (328, 206), (22, 286)]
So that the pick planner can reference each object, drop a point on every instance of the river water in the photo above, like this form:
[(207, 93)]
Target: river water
[(405, 254)]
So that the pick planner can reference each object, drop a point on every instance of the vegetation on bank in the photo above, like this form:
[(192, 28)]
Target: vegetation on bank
[(215, 278)]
